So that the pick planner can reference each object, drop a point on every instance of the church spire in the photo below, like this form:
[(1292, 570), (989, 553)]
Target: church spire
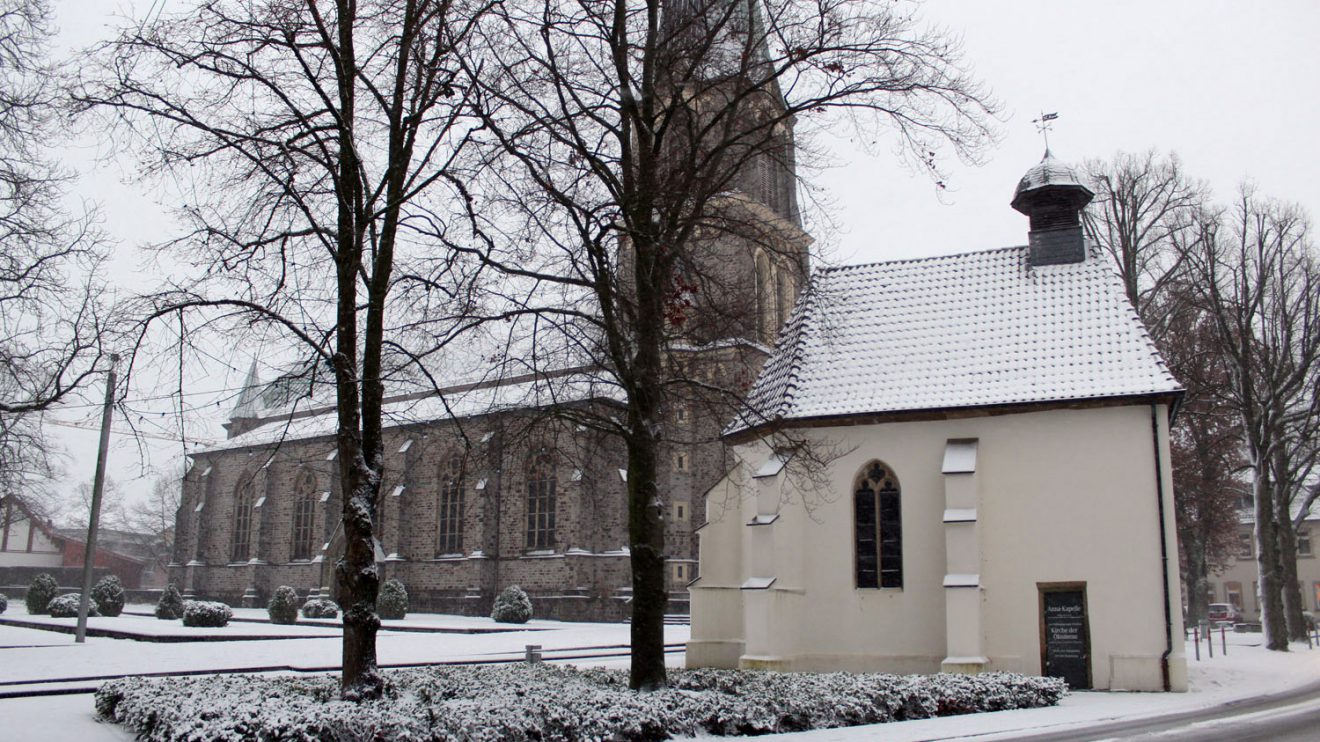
[(1053, 195)]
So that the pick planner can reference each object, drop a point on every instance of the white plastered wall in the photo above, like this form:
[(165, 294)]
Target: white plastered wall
[(1065, 496)]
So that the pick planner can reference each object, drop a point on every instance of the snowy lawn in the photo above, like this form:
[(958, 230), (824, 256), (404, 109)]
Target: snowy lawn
[(35, 656), (543, 702)]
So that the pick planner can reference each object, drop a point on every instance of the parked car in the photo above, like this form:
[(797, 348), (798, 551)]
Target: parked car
[(1221, 613)]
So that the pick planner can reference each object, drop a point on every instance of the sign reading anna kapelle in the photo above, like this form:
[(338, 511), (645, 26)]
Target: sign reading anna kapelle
[(1067, 651)]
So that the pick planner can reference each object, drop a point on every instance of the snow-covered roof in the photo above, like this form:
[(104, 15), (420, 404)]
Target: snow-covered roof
[(960, 331), (455, 403)]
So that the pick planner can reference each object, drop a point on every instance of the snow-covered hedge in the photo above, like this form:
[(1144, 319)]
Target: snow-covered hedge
[(108, 593), (40, 592), (283, 606), (392, 601), (170, 606), (320, 608), (549, 702), (206, 613), (66, 606), (4, 602), (512, 606)]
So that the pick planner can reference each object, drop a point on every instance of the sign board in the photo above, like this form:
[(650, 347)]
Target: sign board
[(1065, 637)]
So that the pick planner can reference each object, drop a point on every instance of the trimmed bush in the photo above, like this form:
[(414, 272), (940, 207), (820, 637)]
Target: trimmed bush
[(4, 602), (206, 614), (521, 703), (392, 601), (320, 608), (39, 594), (512, 606), (283, 605), (66, 606), (108, 594), (170, 606)]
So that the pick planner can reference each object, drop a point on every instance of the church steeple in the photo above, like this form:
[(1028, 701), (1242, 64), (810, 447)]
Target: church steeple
[(1053, 194)]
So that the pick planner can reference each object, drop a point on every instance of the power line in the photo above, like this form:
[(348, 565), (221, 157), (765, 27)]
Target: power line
[(137, 433)]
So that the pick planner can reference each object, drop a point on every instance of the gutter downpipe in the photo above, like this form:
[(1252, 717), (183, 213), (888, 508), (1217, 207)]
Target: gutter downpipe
[(1164, 549)]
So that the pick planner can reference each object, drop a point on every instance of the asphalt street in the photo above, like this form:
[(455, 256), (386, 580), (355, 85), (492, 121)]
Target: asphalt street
[(1287, 717)]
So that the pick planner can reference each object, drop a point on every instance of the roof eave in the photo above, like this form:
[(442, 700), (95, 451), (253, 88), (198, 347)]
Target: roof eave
[(744, 435)]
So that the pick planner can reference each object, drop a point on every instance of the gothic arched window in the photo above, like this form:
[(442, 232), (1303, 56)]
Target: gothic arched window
[(241, 543), (783, 298), (449, 523), (541, 501), (304, 518), (878, 527), (764, 298)]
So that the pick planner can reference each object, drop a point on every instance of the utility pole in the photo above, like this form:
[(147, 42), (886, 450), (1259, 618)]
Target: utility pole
[(98, 484)]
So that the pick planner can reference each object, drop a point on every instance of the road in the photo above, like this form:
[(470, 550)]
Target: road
[(1288, 717)]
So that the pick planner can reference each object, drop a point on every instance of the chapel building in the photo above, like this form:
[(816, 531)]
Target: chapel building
[(957, 463)]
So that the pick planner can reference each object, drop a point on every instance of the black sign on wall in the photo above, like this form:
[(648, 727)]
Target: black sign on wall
[(1065, 635)]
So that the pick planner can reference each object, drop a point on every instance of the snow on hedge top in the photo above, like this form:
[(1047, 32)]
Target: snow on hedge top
[(468, 400), (957, 331)]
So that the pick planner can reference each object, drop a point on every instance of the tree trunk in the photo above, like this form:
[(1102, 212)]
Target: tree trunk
[(646, 528), (1289, 588), (1267, 564), (1197, 579), (647, 538)]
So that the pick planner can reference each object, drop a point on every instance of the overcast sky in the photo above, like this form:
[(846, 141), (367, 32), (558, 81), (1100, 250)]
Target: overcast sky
[(1228, 85)]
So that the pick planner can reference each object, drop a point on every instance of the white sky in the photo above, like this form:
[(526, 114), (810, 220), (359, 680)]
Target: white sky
[(1229, 85)]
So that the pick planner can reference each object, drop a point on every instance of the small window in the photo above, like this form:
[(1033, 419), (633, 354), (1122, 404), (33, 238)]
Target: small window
[(1246, 546), (682, 573), (680, 462), (680, 413), (1233, 594), (1304, 542), (680, 512), (878, 528)]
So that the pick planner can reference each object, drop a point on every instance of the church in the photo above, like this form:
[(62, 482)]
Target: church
[(958, 464), (494, 481)]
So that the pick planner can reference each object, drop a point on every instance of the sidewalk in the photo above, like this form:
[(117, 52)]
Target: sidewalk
[(1249, 671)]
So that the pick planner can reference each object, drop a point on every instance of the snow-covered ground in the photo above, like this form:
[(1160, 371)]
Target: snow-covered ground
[(28, 655), (36, 655)]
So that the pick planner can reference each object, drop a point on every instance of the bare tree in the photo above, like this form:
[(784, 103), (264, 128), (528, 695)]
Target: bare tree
[(1256, 276), (50, 303), (639, 140), (1141, 201), (1205, 443), (302, 129)]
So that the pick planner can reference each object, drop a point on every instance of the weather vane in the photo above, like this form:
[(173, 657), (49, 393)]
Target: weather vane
[(1044, 126)]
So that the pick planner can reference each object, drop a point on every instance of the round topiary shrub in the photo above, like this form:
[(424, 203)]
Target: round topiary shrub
[(108, 594), (283, 605), (4, 602), (170, 606), (205, 613), (66, 606), (392, 601), (320, 608), (512, 606), (39, 594)]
